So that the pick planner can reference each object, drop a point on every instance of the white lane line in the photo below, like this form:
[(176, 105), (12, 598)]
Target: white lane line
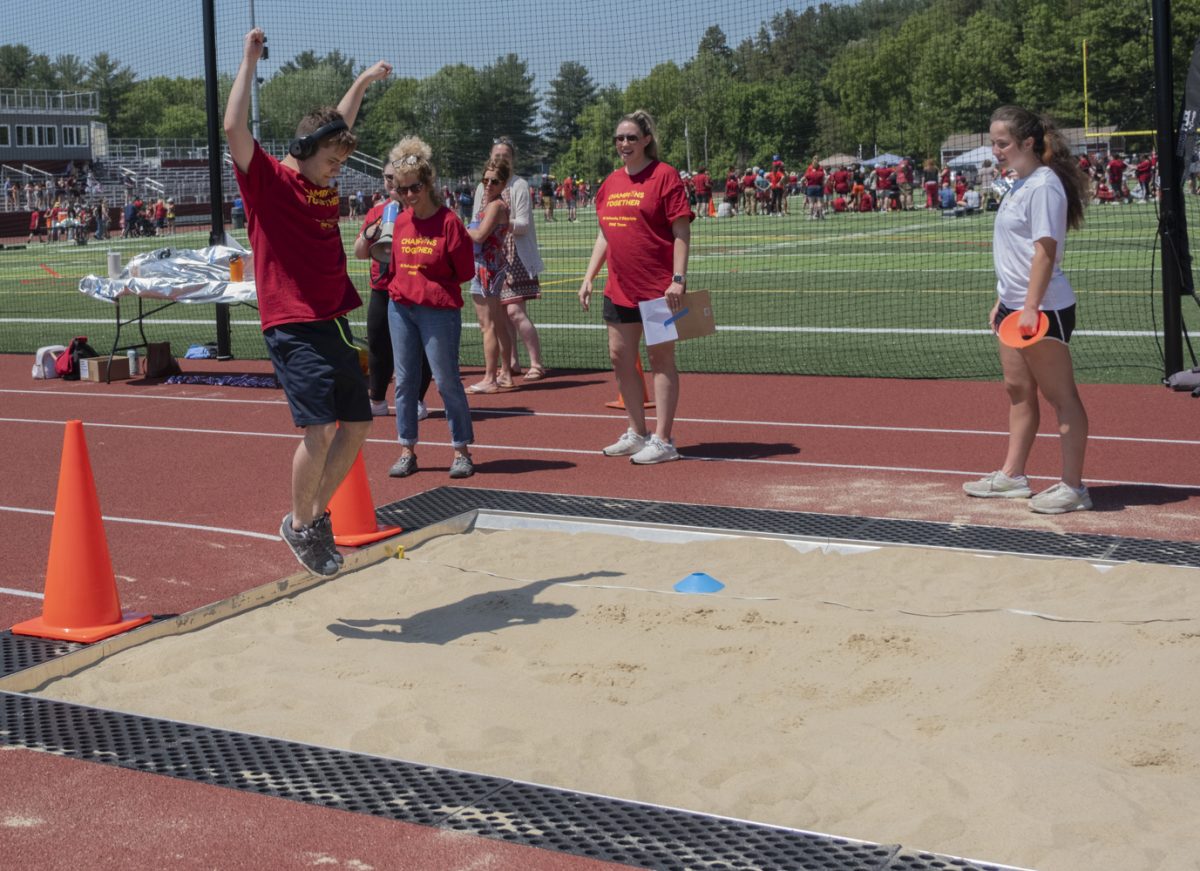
[(499, 412), (9, 591), (195, 527), (961, 473)]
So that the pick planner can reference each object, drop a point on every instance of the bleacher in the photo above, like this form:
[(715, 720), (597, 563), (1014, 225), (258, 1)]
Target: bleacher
[(166, 169)]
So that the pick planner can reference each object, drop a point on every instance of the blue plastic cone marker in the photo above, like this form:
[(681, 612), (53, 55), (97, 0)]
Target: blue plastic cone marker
[(699, 582)]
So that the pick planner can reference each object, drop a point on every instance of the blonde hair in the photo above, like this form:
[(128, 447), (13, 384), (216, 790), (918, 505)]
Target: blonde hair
[(1051, 149), (645, 123), (412, 156)]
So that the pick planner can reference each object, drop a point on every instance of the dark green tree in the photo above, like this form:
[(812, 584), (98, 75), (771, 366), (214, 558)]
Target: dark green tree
[(112, 82), (571, 92)]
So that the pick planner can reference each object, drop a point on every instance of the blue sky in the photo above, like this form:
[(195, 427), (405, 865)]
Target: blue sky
[(616, 42)]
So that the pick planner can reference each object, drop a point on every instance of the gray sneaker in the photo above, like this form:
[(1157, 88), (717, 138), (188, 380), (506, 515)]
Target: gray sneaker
[(404, 466), (309, 548), (462, 467), (998, 485), (1060, 499), (655, 451), (323, 526), (627, 445)]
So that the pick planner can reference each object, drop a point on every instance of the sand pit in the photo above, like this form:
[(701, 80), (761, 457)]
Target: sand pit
[(851, 698)]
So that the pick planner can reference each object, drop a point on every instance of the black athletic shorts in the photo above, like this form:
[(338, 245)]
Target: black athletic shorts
[(317, 364), (1062, 322), (621, 314)]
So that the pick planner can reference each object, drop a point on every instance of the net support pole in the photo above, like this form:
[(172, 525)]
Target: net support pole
[(216, 196), (1172, 223)]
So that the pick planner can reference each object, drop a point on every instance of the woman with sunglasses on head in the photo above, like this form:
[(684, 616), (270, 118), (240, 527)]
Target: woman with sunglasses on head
[(524, 263), (1031, 227), (431, 258), (645, 233), (380, 361), (488, 230)]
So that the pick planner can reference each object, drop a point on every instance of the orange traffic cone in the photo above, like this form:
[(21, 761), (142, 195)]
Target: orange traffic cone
[(712, 209), (352, 511), (619, 402), (81, 602)]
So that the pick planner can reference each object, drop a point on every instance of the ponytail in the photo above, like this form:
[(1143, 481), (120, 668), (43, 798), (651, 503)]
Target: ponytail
[(1052, 150)]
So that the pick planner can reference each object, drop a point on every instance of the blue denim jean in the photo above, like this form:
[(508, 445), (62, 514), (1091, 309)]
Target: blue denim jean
[(436, 331)]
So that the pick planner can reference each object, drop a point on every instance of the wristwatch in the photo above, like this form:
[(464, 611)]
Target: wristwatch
[(679, 279)]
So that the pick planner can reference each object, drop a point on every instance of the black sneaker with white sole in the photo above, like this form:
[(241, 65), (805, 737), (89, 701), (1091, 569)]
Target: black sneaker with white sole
[(323, 526), (309, 548)]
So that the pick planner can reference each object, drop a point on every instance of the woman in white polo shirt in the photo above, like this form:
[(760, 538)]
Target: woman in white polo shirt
[(1047, 198)]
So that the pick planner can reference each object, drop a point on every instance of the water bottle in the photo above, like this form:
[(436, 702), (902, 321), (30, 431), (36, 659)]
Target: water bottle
[(132, 356), (381, 248)]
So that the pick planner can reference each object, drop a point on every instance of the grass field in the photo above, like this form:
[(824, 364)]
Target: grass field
[(898, 294)]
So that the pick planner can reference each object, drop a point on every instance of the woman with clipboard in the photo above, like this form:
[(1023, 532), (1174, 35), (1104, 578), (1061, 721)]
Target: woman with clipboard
[(645, 233)]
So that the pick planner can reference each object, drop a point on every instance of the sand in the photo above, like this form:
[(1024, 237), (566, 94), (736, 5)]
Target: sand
[(843, 704)]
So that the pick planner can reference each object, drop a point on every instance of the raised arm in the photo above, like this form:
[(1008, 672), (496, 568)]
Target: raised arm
[(352, 101), (237, 108), (495, 215)]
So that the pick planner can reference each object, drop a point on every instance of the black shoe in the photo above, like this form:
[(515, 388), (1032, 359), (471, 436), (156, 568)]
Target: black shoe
[(323, 526), (309, 548)]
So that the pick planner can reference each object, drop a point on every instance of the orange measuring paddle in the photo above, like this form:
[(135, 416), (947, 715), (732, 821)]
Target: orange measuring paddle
[(1010, 334)]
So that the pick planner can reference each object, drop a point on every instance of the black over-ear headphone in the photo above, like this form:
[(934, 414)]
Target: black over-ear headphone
[(306, 146)]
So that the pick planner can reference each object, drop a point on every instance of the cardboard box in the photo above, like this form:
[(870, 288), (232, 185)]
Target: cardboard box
[(102, 369)]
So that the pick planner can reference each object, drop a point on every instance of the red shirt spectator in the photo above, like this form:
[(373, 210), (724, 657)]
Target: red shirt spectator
[(866, 203), (638, 230), (841, 181), (381, 273), (883, 177), (431, 258), (731, 187), (1116, 173), (814, 176), (702, 183)]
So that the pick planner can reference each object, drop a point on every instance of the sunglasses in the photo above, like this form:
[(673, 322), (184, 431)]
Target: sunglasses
[(491, 181), (627, 137), (414, 188)]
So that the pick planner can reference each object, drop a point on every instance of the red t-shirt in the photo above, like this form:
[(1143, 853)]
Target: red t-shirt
[(748, 181), (431, 258), (841, 181), (865, 202), (381, 273), (299, 261), (1145, 170), (731, 186), (35, 220), (814, 177), (636, 213), (1116, 171), (703, 183), (883, 177), (776, 179)]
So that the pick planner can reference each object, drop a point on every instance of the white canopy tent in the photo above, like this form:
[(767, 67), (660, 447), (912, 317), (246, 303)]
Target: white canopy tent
[(975, 157)]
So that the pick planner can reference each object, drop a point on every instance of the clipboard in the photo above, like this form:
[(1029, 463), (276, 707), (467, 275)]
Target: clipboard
[(693, 320)]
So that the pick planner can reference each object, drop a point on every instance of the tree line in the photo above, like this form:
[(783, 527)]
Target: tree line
[(876, 75)]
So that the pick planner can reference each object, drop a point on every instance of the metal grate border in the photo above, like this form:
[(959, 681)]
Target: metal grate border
[(594, 826)]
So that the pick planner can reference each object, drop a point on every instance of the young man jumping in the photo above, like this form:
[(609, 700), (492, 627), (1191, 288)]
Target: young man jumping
[(304, 293)]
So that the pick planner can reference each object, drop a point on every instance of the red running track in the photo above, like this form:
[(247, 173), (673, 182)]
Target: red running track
[(194, 479)]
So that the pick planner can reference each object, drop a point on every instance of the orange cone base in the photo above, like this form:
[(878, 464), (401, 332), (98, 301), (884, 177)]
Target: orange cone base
[(358, 539), (620, 403), (84, 634)]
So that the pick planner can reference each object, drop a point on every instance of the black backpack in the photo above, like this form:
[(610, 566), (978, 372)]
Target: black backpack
[(67, 364)]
